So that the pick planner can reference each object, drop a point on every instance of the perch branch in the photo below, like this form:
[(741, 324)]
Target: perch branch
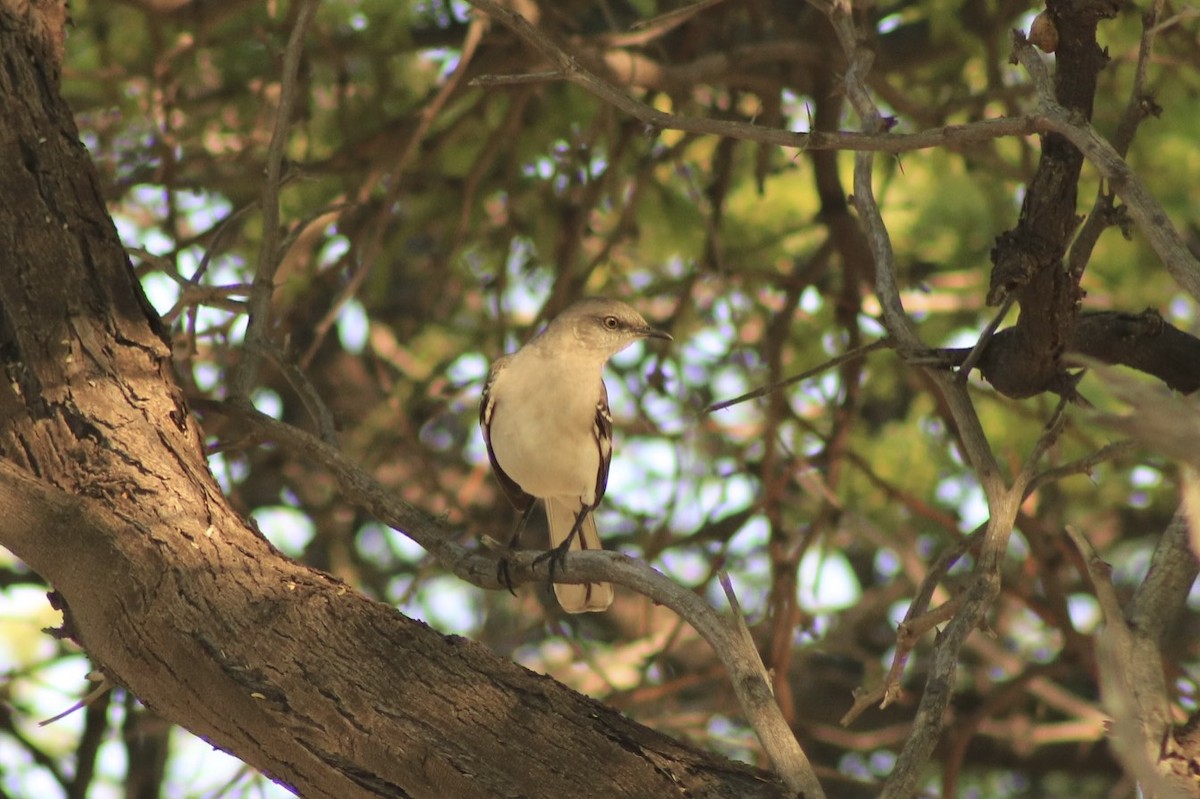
[(731, 646)]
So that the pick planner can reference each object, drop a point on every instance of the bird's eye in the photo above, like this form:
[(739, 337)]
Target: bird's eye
[(612, 322)]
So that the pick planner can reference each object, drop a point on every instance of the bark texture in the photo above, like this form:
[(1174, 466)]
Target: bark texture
[(105, 492)]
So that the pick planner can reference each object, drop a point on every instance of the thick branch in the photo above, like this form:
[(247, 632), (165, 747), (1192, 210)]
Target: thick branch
[(1143, 207), (326, 691)]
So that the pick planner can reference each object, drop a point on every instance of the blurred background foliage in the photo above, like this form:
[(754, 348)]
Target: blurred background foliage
[(430, 225)]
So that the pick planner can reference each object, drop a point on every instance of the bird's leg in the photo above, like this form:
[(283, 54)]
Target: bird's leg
[(558, 555), (502, 573)]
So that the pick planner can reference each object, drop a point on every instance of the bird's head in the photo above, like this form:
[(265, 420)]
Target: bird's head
[(603, 325)]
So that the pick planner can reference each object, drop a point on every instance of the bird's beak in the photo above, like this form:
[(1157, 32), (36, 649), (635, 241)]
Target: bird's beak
[(650, 332)]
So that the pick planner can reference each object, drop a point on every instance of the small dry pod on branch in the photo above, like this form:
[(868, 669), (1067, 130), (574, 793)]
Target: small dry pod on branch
[(1043, 34)]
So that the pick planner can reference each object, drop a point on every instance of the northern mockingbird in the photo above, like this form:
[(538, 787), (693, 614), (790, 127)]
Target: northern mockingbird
[(548, 429)]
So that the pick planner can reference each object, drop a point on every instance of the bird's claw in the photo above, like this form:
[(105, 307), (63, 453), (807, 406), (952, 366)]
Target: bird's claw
[(503, 575), (557, 557)]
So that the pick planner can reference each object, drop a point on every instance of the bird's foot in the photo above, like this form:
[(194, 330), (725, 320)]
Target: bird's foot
[(557, 557), (503, 572)]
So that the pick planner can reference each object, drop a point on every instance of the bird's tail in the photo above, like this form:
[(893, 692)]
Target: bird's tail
[(584, 597)]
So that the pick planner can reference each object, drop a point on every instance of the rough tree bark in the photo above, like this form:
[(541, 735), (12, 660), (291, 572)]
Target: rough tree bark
[(105, 492)]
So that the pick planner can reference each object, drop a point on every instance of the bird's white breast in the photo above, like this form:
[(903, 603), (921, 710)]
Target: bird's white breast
[(545, 441)]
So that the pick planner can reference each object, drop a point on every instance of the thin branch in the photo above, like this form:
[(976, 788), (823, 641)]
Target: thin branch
[(964, 371), (917, 621), (241, 381), (1081, 466), (308, 393), (667, 22), (519, 79), (105, 685), (566, 67), (1184, 15), (1140, 106), (217, 242), (739, 623), (1050, 433), (887, 691), (761, 391)]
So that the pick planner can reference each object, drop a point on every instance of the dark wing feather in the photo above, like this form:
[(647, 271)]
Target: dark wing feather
[(516, 495), (603, 428)]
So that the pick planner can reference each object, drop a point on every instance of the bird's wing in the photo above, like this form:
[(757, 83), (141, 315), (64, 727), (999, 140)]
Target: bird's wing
[(603, 428), (516, 495)]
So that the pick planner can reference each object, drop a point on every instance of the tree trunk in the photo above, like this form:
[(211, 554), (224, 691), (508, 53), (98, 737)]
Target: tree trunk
[(105, 492)]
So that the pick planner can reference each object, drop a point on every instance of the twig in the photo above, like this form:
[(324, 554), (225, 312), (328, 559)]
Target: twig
[(764, 713), (241, 381), (1137, 109), (520, 79), (739, 623), (849, 355), (964, 370), (670, 20), (309, 396), (104, 686), (1183, 16), (1081, 466), (887, 691), (916, 621), (1050, 433), (217, 241)]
